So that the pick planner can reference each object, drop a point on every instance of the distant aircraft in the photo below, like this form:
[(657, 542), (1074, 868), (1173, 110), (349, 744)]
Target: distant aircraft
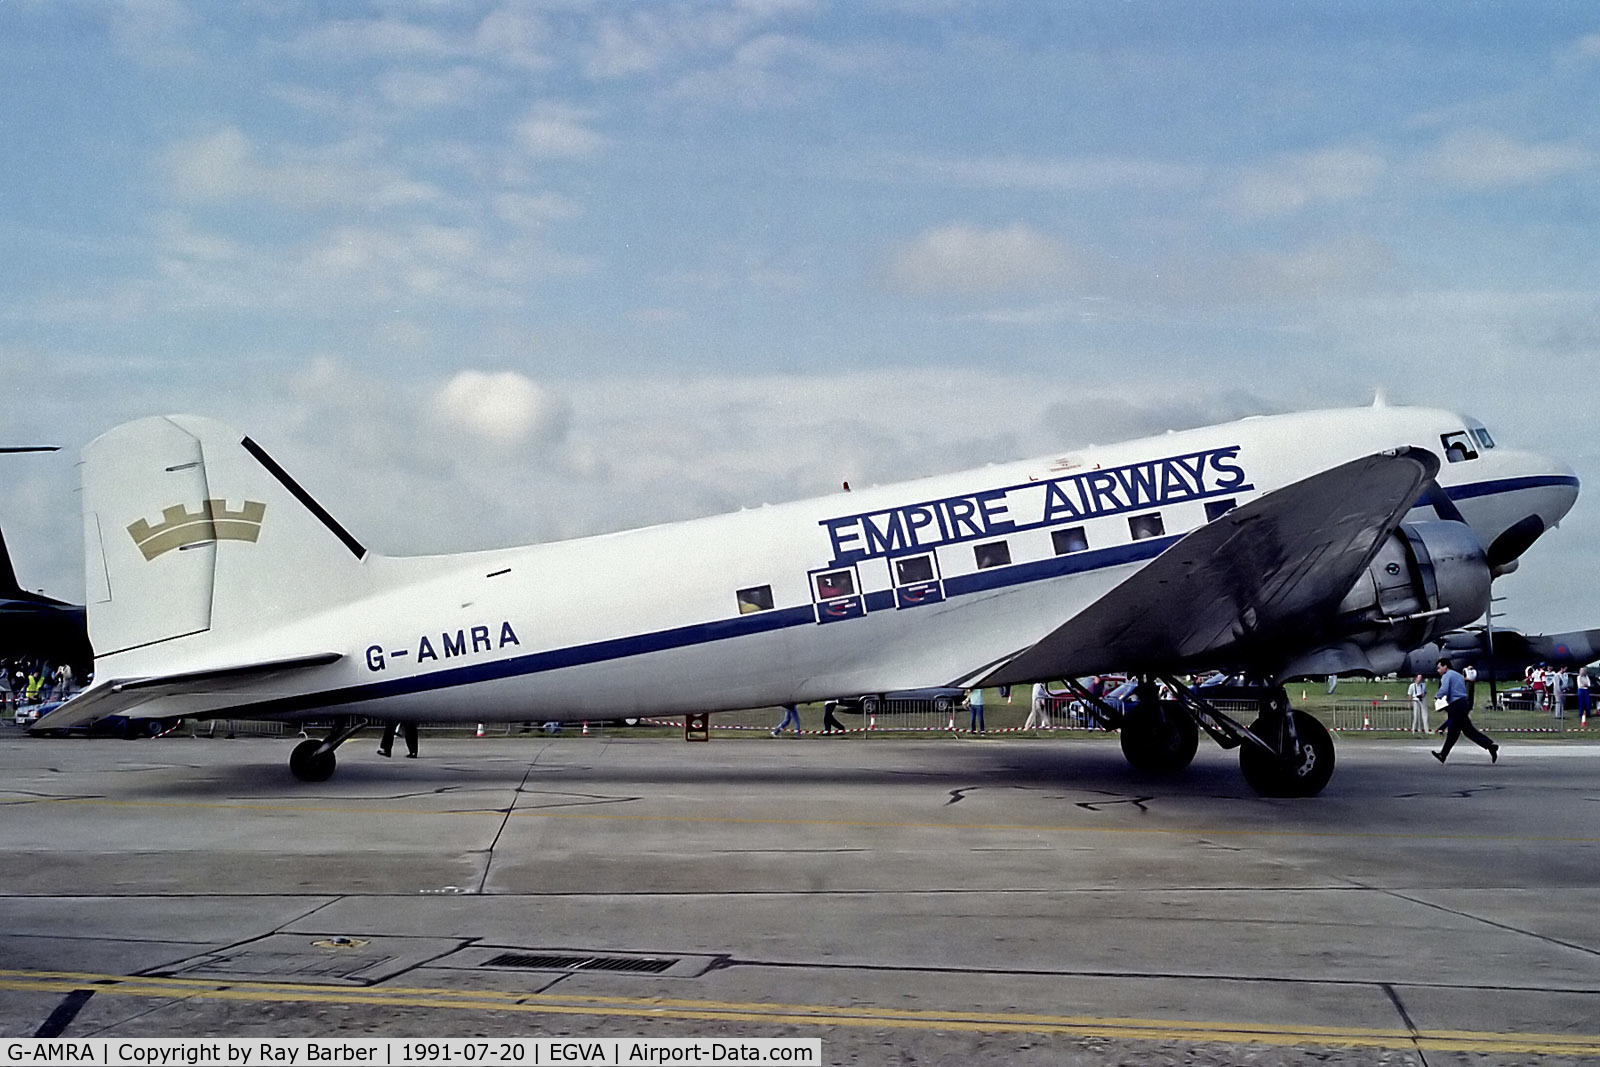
[(34, 625), (43, 628), (1513, 651), (1311, 543)]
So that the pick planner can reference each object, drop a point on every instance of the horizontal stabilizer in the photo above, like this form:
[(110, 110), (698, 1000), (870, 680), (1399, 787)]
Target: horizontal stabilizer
[(1242, 589), (188, 694)]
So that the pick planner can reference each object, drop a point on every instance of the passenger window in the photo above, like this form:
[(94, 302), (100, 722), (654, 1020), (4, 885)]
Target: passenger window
[(1458, 446), (1215, 509), (913, 569), (1146, 526), (757, 599), (1483, 437), (1072, 539), (835, 584), (993, 554)]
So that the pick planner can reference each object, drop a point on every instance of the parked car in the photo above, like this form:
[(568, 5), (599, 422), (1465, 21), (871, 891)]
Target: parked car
[(118, 726)]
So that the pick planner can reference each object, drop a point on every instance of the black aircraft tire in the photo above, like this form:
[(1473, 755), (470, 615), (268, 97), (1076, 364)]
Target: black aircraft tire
[(307, 765), (1303, 773), (1160, 739)]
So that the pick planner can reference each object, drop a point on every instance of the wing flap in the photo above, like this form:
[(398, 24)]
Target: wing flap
[(184, 694), (1241, 586)]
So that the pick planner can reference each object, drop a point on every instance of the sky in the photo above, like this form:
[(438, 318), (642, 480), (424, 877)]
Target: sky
[(484, 273)]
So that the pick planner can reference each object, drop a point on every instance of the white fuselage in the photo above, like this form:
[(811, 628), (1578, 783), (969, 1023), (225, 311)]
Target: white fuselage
[(915, 584)]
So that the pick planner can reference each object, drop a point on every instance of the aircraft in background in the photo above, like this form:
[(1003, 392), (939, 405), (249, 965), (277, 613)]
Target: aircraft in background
[(1313, 543), (1514, 651), (36, 626)]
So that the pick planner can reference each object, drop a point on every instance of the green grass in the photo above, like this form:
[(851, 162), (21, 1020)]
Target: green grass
[(1352, 702)]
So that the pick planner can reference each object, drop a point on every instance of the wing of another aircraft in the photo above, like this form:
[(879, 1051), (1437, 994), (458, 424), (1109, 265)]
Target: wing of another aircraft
[(1242, 590), (193, 693)]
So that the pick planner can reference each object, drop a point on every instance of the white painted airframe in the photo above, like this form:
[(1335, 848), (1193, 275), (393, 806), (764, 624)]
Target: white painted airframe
[(1312, 543)]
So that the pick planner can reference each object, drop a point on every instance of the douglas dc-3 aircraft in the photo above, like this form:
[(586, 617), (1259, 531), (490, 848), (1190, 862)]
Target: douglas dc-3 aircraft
[(1313, 543)]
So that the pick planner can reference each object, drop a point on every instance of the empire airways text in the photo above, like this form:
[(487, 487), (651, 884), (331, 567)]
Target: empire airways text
[(1031, 505)]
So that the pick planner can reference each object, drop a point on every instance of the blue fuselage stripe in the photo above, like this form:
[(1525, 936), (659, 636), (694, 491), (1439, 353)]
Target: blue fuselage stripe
[(768, 621), (1509, 485)]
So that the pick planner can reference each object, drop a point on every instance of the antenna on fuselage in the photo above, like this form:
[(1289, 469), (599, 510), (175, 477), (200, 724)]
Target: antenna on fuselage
[(1378, 399)]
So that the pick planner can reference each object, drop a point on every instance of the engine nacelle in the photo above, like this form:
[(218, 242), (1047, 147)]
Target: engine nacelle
[(1427, 578)]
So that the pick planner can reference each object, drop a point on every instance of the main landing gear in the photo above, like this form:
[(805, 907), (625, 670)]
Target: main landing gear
[(1283, 753), (313, 760)]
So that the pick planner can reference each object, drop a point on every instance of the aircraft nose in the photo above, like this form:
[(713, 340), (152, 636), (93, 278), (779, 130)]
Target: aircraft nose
[(1545, 490)]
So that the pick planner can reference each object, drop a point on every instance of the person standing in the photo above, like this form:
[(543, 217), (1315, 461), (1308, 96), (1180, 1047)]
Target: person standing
[(975, 710), (1418, 692), (1470, 674), (1556, 683), (1039, 715), (1583, 693), (1458, 715), (409, 729)]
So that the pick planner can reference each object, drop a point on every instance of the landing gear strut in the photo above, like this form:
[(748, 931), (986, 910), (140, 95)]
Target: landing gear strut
[(313, 760), (1296, 759), (1158, 736)]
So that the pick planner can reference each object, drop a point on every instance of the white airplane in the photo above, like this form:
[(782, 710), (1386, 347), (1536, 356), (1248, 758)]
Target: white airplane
[(1313, 543)]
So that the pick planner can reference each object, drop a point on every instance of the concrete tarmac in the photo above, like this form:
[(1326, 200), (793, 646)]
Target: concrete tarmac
[(925, 901)]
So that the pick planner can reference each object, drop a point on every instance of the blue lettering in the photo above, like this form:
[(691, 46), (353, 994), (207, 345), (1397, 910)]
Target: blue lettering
[(960, 512), (425, 651), (1139, 483), (480, 639), (842, 536), (375, 658), (1234, 473), (458, 647), (1103, 487), (1057, 505), (1195, 468), (917, 517), (883, 542), (508, 636), (995, 511), (1070, 498)]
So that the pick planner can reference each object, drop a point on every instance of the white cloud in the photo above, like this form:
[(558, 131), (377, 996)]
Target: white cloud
[(1294, 182), (961, 258), (455, 87), (503, 406), (531, 210), (1051, 175), (359, 40), (514, 35), (1483, 159), (554, 131), (152, 32), (226, 166)]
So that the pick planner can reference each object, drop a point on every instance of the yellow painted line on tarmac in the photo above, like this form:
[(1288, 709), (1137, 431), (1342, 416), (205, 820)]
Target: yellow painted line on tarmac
[(858, 824), (805, 1014)]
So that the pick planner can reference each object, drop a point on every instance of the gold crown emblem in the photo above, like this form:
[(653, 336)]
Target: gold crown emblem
[(213, 522)]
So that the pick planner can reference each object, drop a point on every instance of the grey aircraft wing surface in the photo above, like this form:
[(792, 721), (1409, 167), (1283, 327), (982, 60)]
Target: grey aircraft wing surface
[(1246, 590)]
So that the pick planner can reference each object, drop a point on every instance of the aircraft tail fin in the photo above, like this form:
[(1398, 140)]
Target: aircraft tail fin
[(193, 533), (9, 588)]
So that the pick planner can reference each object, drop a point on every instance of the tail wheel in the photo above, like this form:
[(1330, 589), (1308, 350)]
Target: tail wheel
[(1305, 764), (309, 765), (1159, 738)]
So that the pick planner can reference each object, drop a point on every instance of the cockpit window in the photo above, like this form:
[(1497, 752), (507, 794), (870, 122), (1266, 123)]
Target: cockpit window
[(1458, 446), (1484, 440)]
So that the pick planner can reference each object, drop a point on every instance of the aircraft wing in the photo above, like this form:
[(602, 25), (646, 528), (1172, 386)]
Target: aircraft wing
[(1241, 590), (177, 695)]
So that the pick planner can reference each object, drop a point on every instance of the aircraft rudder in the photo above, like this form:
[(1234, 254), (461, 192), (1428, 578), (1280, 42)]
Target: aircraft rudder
[(192, 529)]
